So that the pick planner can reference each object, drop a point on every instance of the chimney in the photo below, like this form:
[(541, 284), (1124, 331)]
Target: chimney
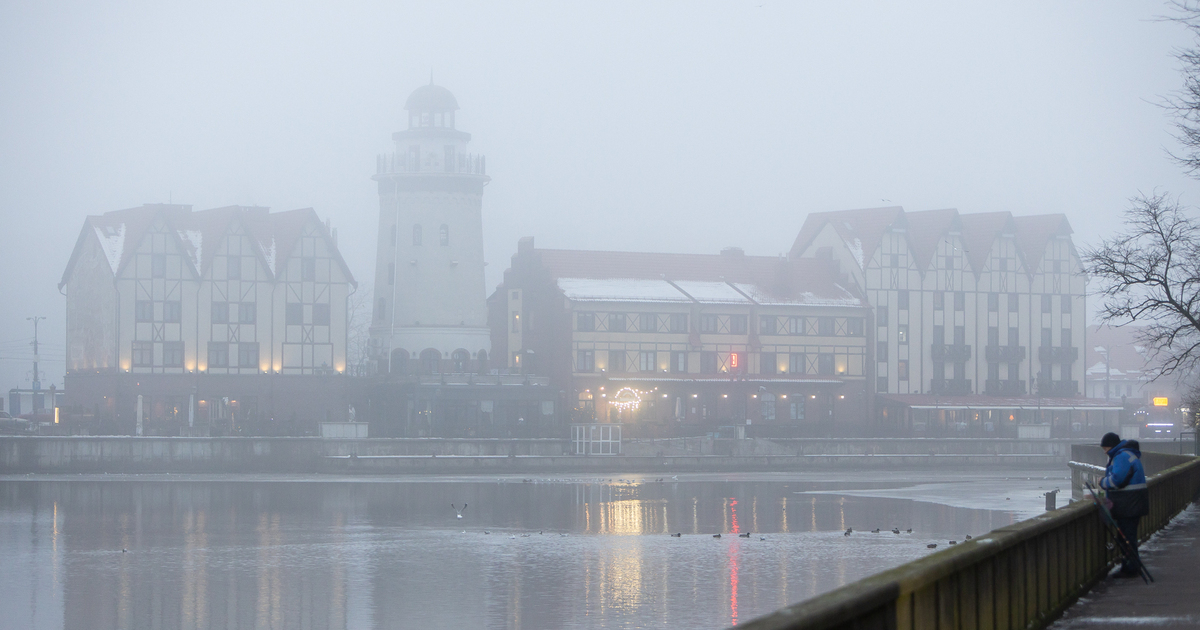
[(733, 252)]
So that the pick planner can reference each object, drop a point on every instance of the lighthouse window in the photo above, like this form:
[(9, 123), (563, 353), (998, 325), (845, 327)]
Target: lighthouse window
[(416, 235), (444, 234)]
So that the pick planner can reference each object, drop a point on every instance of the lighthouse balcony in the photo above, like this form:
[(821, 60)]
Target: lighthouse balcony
[(462, 163)]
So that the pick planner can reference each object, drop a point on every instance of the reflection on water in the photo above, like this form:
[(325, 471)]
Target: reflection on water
[(312, 554)]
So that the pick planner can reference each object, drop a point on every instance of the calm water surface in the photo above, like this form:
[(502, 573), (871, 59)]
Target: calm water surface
[(561, 553)]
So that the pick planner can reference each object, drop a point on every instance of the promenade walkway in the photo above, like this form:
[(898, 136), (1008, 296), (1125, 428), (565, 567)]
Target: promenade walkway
[(1172, 601)]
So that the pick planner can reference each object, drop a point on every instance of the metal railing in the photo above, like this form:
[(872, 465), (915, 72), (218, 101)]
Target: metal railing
[(1020, 576)]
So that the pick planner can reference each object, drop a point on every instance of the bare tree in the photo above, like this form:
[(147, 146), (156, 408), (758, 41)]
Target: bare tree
[(1149, 274), (1184, 105), (358, 332)]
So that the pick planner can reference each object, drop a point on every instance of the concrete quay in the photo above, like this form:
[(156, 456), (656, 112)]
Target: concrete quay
[(1169, 602)]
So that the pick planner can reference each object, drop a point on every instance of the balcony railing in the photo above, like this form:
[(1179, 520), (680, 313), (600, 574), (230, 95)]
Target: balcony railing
[(1005, 354), (1058, 354), (1010, 387), (1063, 389), (471, 164), (950, 386), (951, 352)]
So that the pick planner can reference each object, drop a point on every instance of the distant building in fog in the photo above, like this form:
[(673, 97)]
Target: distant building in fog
[(687, 342), (966, 306), (430, 299), (236, 312)]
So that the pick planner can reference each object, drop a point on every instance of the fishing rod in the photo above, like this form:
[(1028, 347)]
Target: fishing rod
[(1126, 547)]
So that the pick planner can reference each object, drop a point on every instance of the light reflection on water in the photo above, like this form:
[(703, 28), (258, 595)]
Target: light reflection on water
[(253, 554)]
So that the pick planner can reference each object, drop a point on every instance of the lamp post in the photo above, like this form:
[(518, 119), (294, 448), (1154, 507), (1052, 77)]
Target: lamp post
[(37, 382)]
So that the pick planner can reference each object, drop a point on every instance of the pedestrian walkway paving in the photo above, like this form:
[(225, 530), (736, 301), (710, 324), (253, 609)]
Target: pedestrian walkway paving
[(1172, 601)]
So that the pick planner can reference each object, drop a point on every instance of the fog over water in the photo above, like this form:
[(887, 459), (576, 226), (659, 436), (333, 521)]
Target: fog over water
[(673, 126), (218, 552)]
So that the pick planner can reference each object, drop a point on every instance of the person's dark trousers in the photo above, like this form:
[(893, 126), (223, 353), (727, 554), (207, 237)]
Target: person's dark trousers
[(1129, 527)]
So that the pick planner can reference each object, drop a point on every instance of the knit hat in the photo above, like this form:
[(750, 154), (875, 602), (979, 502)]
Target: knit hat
[(1110, 440)]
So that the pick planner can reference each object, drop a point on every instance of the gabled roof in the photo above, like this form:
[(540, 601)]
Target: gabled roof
[(710, 277), (926, 229), (198, 234), (868, 225), (979, 234), (1034, 234)]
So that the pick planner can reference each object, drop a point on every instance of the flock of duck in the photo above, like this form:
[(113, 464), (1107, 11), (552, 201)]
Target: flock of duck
[(896, 530), (588, 480)]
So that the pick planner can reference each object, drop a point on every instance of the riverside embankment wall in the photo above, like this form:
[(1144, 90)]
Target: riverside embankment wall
[(124, 454)]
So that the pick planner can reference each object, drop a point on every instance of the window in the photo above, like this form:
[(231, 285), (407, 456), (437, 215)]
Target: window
[(616, 361), (902, 334), (796, 325), (993, 302), (960, 300), (647, 361), (825, 364), (585, 322), (679, 362), (1014, 338), (1065, 338), (648, 322), (894, 260), (960, 371), (320, 314), (679, 323), (247, 313), (218, 354), (1046, 339), (902, 370), (939, 301), (767, 325), (585, 361), (1014, 371), (444, 235), (854, 326), (993, 335), (391, 273), (458, 360), (881, 385), (158, 265), (516, 321), (416, 236), (1066, 303), (1013, 303), (825, 326), (708, 323), (939, 334), (797, 410), (738, 324), (143, 311), (220, 312), (951, 262), (172, 312), (308, 269), (616, 322), (1047, 301), (708, 362), (881, 316), (902, 299), (143, 354), (767, 404), (960, 335), (247, 355), (768, 363), (382, 308), (881, 351), (796, 363), (993, 370), (294, 314), (173, 354), (233, 268)]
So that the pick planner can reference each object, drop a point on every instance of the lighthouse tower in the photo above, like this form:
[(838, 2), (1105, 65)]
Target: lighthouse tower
[(430, 312)]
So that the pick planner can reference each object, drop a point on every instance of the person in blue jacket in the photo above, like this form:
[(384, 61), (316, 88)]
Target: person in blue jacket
[(1124, 483)]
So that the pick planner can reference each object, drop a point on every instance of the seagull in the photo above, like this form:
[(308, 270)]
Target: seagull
[(847, 533), (457, 510), (746, 535), (123, 550), (677, 535), (486, 531), (931, 546)]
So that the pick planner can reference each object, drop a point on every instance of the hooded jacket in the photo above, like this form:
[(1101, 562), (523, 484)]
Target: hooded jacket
[(1125, 481)]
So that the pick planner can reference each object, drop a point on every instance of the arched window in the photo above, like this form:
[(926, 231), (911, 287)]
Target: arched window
[(416, 235), (459, 359), (399, 361), (430, 361), (483, 358), (444, 234)]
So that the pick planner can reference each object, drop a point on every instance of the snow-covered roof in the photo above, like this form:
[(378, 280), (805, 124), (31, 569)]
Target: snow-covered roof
[(619, 290), (712, 292), (760, 296)]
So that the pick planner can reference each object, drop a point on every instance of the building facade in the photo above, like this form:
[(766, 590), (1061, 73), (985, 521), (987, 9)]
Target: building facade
[(177, 306), (430, 307), (964, 305), (679, 343)]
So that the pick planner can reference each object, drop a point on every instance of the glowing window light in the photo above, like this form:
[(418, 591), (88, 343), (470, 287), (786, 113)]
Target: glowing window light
[(627, 399)]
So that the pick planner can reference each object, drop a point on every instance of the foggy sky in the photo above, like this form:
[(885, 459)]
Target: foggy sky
[(667, 126)]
